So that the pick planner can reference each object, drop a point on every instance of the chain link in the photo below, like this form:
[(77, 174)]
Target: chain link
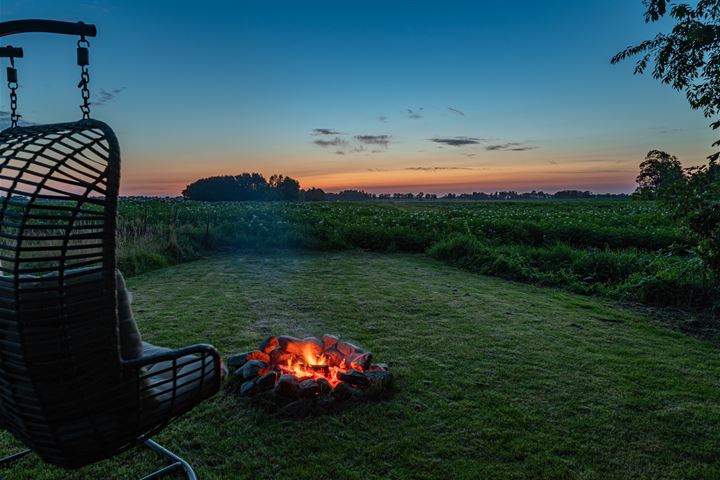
[(84, 81), (13, 86), (14, 117)]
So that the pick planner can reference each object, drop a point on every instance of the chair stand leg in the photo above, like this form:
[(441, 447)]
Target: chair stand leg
[(178, 463), (13, 457)]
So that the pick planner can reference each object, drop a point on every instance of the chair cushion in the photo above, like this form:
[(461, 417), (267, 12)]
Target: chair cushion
[(188, 376), (131, 344), (129, 337)]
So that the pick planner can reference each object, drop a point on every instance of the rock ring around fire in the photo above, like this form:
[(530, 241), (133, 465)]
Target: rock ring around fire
[(297, 378)]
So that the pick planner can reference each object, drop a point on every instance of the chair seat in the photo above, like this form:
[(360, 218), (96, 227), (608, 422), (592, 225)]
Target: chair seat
[(185, 379)]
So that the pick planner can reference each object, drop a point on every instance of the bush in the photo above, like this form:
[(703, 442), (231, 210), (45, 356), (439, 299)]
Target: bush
[(607, 266)]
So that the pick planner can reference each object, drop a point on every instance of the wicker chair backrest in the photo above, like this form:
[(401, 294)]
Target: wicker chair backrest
[(59, 353)]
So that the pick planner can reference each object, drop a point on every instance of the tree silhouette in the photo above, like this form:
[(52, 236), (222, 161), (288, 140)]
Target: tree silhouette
[(314, 195), (243, 187), (687, 58), (659, 171)]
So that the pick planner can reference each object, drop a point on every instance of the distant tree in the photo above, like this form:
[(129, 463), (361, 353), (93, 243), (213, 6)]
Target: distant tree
[(285, 188), (314, 195), (350, 196), (247, 186), (659, 171), (687, 58), (243, 187), (569, 194)]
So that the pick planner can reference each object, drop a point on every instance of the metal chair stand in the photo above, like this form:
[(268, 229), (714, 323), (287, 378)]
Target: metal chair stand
[(178, 463)]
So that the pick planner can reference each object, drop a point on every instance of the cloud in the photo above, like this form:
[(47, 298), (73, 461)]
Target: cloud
[(552, 162), (414, 114), (356, 144), (381, 140), (456, 141), (106, 96), (432, 169), (335, 142), (382, 119), (667, 130), (377, 170), (325, 131), (509, 147), (455, 110)]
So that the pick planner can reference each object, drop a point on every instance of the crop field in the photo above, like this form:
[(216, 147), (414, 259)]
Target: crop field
[(629, 250)]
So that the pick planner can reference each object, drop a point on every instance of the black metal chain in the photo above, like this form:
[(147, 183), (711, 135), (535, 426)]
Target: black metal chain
[(13, 86), (83, 59)]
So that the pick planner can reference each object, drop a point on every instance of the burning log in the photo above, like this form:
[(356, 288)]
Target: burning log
[(300, 377)]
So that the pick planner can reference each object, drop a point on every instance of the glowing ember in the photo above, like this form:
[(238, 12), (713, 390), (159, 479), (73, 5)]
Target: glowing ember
[(315, 370), (307, 358)]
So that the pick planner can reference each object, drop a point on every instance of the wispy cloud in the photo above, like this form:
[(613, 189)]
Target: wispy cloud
[(414, 114), (455, 110), (382, 119), (106, 96), (433, 169), (510, 147), (456, 141), (325, 131), (357, 143), (381, 140), (667, 130), (335, 142)]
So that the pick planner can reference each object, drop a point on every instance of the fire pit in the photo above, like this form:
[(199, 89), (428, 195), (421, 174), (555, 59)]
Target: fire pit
[(301, 377)]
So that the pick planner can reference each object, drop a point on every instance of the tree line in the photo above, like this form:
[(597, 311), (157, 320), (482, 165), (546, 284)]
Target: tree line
[(254, 187)]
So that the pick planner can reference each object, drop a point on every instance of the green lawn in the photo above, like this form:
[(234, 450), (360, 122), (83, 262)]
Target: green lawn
[(495, 379)]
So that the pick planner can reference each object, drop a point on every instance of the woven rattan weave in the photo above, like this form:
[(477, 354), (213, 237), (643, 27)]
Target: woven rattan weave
[(65, 391)]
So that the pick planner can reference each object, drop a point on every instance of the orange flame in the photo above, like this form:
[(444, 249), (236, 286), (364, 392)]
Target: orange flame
[(308, 363)]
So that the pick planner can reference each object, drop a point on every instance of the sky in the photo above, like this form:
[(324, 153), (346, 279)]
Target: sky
[(385, 96)]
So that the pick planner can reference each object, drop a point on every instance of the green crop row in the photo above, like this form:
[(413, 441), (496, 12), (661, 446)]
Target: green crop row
[(622, 249)]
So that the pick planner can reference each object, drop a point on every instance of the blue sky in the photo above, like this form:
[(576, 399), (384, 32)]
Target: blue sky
[(205, 88)]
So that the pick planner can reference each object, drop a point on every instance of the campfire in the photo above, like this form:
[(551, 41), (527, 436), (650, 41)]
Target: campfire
[(301, 377)]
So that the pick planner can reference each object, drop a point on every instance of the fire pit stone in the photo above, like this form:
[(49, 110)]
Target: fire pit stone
[(300, 377)]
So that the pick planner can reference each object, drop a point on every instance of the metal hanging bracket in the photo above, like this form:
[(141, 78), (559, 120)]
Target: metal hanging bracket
[(11, 52), (80, 29), (13, 27)]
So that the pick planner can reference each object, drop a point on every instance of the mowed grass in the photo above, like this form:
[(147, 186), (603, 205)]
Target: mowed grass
[(494, 379)]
